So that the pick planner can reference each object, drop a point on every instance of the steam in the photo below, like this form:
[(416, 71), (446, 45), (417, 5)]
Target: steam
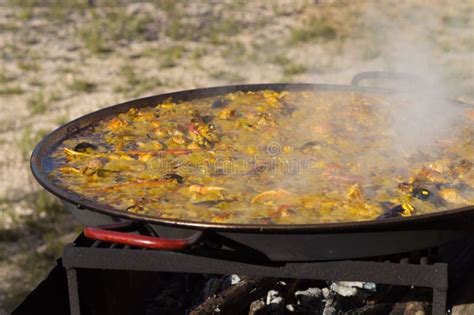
[(423, 116)]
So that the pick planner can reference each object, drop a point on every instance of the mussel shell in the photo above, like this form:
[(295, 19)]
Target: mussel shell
[(424, 194), (178, 178), (288, 108), (386, 205), (392, 212), (421, 193), (84, 146), (220, 103)]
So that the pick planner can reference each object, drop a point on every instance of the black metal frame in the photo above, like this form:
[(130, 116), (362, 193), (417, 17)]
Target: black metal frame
[(86, 254)]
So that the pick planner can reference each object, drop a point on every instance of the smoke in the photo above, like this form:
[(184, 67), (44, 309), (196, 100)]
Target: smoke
[(421, 116)]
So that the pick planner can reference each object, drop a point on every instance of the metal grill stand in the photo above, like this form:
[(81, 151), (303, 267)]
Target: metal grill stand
[(87, 254)]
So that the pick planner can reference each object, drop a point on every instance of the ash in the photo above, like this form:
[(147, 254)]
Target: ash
[(238, 294)]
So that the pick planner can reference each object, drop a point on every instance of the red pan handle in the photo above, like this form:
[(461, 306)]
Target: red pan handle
[(142, 241)]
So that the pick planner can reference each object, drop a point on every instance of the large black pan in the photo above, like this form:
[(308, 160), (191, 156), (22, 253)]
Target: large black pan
[(277, 242)]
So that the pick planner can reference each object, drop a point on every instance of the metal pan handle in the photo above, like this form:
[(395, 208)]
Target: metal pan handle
[(142, 241), (385, 76)]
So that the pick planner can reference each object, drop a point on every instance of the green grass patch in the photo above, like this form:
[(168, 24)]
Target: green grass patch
[(26, 13), (3, 76), (171, 56), (28, 59), (82, 85), (61, 120), (10, 26), (94, 41), (317, 28), (177, 30), (36, 81), (11, 90), (29, 65), (65, 69), (291, 69), (50, 208), (29, 139), (227, 27), (128, 73), (198, 53), (120, 25), (456, 21), (37, 104), (228, 77), (214, 29), (169, 6), (62, 11), (234, 49), (92, 35), (281, 60), (115, 25), (25, 3), (134, 84), (55, 95)]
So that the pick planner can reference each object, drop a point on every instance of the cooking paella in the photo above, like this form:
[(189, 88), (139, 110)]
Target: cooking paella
[(267, 157)]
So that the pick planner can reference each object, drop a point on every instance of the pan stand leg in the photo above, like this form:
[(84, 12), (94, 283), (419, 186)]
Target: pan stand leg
[(440, 289), (439, 301), (73, 289)]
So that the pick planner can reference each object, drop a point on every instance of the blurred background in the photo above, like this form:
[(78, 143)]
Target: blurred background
[(63, 59)]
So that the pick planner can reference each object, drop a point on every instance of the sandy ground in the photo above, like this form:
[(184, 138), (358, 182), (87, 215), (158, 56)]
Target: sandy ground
[(60, 62)]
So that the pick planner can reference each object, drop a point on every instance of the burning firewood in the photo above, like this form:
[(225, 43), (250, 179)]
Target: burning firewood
[(236, 298)]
